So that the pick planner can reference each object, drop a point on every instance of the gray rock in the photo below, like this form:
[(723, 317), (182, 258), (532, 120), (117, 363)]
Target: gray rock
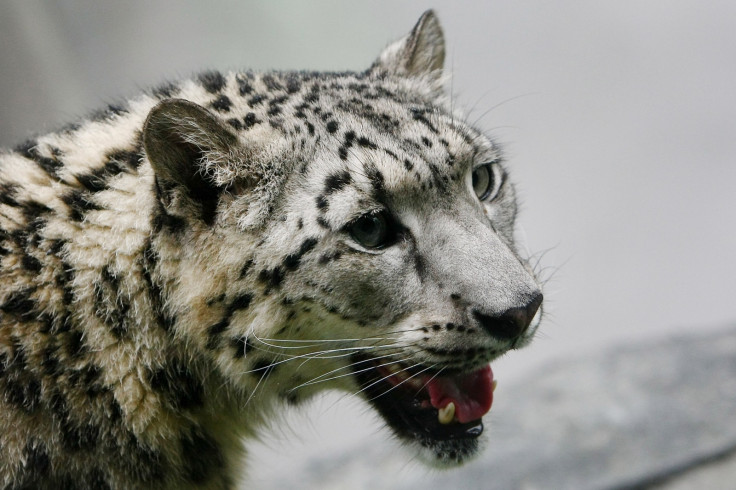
[(659, 414)]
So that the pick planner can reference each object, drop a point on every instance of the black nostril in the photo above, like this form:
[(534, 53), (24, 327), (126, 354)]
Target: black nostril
[(532, 307), (510, 324)]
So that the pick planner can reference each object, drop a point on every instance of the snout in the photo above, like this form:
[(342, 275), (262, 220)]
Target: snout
[(510, 324)]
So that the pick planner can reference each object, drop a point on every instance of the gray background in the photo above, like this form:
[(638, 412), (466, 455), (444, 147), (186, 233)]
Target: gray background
[(617, 118)]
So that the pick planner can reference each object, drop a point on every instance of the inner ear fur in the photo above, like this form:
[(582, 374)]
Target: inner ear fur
[(179, 138)]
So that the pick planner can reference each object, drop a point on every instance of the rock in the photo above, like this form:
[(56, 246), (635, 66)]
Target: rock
[(654, 414)]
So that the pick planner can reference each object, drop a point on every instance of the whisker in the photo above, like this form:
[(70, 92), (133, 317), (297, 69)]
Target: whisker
[(351, 373), (344, 352), (405, 380), (317, 380), (257, 385)]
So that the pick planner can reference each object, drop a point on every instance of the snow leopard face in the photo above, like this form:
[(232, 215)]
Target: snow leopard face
[(345, 231)]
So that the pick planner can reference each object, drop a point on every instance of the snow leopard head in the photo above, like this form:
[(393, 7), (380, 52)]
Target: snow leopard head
[(345, 230)]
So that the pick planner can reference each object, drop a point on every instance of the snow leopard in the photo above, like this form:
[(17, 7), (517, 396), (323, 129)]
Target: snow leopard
[(178, 269)]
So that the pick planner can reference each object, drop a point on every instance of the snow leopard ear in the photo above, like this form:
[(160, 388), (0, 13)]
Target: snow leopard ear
[(420, 54), (184, 142)]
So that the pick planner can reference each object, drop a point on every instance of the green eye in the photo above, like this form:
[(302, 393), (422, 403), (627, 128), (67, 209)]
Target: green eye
[(486, 182), (371, 230)]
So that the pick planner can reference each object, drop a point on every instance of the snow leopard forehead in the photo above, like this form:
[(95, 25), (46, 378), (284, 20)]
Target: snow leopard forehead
[(375, 133)]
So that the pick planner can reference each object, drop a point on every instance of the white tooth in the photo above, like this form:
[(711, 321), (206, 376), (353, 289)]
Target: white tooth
[(494, 384), (447, 414)]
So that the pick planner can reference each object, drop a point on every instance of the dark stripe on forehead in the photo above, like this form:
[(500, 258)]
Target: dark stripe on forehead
[(337, 181), (419, 115), (292, 261)]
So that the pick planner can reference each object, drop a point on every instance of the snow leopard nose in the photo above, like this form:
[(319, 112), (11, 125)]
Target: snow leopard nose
[(512, 323)]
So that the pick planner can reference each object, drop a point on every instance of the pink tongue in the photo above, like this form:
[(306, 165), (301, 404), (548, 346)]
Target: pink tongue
[(471, 393)]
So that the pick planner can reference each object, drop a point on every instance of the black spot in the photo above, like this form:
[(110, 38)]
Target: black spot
[(179, 385), (292, 261), (241, 302), (278, 100), (75, 344), (392, 154), (20, 303), (244, 86), (79, 204), (426, 142), (332, 127), (162, 220), (310, 128), (37, 463), (250, 120), (242, 346), (343, 152), (155, 294), (244, 270), (96, 180), (201, 457), (31, 263), (366, 143), (235, 123), (131, 158), (376, 177), (263, 368), (322, 203), (420, 266), (337, 181), (271, 83), (23, 392), (165, 90), (51, 166), (77, 437), (408, 165), (8, 194), (292, 84), (217, 299), (257, 99), (323, 222), (222, 103), (329, 257), (114, 110), (418, 115), (49, 361), (212, 81), (291, 397), (214, 331), (272, 277), (88, 377), (111, 307)]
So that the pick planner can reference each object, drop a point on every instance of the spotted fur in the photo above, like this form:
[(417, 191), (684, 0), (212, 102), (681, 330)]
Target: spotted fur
[(177, 266)]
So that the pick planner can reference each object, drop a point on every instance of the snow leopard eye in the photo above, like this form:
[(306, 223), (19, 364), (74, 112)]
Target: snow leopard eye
[(486, 181), (372, 230)]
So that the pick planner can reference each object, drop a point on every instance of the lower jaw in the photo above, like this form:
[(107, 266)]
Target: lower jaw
[(411, 417)]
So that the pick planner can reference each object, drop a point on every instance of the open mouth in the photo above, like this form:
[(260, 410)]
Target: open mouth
[(427, 405)]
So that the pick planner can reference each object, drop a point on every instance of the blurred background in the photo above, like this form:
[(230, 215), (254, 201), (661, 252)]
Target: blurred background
[(618, 123)]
